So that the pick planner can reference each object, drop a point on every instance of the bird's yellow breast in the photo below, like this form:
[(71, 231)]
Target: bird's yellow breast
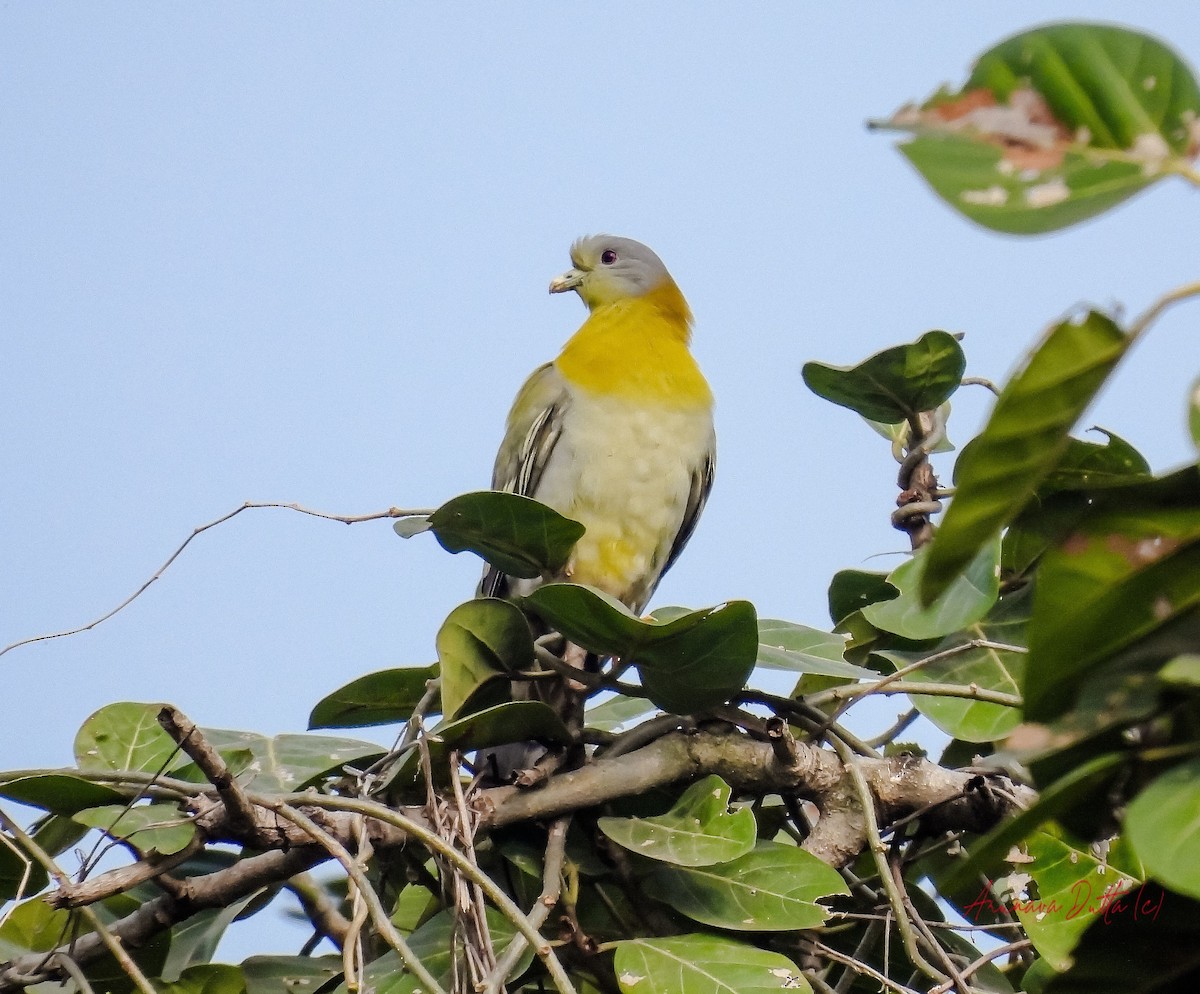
[(638, 348)]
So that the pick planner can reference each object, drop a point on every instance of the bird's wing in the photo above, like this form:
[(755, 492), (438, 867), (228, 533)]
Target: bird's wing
[(534, 426), (702, 481)]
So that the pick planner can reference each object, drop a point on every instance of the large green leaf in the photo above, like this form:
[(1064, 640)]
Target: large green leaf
[(1148, 946), (774, 888), (895, 384), (703, 964), (286, 763), (1087, 465), (851, 590), (125, 736), (1074, 887), (983, 666), (1056, 125), (289, 974), (160, 828), (616, 711), (515, 534), (478, 645), (1193, 416), (700, 829), (695, 661), (375, 699), (207, 978), (60, 793), (1163, 824), (783, 645), (1121, 577), (1024, 439), (967, 599)]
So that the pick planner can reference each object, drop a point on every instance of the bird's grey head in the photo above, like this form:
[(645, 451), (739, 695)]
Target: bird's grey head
[(608, 268)]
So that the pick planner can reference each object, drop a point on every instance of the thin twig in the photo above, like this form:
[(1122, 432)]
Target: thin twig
[(1152, 313), (890, 734), (1009, 947), (885, 687), (867, 971), (391, 512)]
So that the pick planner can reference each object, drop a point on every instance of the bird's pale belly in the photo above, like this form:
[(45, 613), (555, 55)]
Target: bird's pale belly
[(625, 475)]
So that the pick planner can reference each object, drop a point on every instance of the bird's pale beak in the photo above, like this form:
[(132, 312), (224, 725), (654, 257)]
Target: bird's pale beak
[(570, 280)]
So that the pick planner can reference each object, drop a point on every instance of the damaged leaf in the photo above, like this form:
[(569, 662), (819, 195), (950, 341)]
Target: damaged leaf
[(1056, 125)]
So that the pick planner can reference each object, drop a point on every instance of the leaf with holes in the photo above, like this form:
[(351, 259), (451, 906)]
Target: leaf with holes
[(1056, 125)]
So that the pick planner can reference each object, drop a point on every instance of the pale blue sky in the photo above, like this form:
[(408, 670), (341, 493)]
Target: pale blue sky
[(299, 252)]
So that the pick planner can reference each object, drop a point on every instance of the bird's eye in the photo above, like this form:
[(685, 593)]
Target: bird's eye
[(608, 257)]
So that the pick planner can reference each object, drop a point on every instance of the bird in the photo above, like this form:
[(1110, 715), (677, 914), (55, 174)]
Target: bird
[(617, 431)]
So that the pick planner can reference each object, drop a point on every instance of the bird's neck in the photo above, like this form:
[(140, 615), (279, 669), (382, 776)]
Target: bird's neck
[(638, 348)]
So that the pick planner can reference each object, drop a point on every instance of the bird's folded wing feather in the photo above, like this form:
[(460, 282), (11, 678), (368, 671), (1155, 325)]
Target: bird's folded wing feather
[(534, 426)]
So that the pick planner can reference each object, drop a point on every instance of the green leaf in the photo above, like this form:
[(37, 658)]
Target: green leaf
[(1121, 577), (853, 589), (983, 666), (59, 793), (774, 888), (515, 534), (375, 699), (479, 643), (207, 978), (1182, 671), (1194, 415), (703, 964), (1150, 946), (1055, 798), (194, 941), (287, 763), (783, 645), (691, 663), (1089, 466), (289, 974), (151, 828), (1072, 883), (616, 711), (700, 829), (895, 384), (1056, 125), (962, 603), (1024, 439), (1163, 824), (125, 736)]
